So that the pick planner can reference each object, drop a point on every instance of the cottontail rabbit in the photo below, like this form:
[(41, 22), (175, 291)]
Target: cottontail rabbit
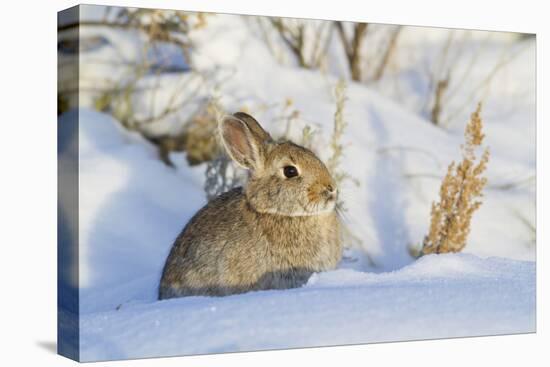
[(272, 234)]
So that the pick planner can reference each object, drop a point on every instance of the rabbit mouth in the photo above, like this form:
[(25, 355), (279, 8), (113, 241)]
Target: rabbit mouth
[(330, 203)]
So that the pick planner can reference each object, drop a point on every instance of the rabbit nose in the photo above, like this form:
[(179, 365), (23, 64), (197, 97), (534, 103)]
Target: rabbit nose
[(330, 192)]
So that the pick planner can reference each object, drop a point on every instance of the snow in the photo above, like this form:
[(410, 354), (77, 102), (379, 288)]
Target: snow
[(438, 296), (132, 206)]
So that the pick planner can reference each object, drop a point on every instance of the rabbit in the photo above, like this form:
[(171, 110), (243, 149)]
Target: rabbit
[(271, 234)]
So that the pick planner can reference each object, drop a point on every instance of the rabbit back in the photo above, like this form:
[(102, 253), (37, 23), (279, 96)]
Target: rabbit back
[(229, 248)]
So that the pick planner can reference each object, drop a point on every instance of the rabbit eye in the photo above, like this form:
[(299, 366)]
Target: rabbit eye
[(290, 171)]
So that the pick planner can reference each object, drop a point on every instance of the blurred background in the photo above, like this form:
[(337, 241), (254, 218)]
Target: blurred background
[(157, 71)]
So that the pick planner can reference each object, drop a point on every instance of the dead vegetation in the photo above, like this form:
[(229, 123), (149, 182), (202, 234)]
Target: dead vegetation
[(141, 84), (336, 146), (453, 68), (334, 165), (459, 195), (309, 42), (529, 225), (352, 47)]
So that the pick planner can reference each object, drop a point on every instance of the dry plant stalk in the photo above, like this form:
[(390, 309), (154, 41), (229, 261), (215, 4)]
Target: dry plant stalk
[(387, 54), (333, 165), (307, 137), (459, 194), (352, 47), (296, 36), (440, 89), (293, 38), (200, 142), (336, 137)]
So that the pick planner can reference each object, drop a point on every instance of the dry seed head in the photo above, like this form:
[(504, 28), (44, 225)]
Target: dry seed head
[(459, 194)]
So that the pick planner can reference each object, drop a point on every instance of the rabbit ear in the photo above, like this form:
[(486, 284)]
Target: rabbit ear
[(243, 139), (253, 125)]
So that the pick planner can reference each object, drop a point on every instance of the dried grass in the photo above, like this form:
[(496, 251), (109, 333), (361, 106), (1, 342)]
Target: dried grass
[(307, 40), (200, 142), (340, 125), (459, 195)]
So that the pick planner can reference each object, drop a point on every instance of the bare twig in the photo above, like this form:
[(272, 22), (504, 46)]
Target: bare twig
[(440, 89), (435, 74), (513, 185), (390, 48), (352, 46), (293, 38), (529, 225)]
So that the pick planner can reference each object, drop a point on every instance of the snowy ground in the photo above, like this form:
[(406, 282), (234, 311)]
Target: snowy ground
[(132, 206), (439, 296)]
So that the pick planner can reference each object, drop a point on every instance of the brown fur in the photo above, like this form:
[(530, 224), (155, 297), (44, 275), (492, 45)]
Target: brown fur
[(270, 235)]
